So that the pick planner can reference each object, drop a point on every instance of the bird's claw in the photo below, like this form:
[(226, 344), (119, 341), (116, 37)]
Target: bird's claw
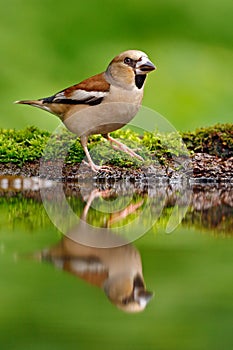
[(96, 168)]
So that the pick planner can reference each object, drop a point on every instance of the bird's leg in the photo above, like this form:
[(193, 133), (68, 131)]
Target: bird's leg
[(90, 162), (120, 146), (93, 195)]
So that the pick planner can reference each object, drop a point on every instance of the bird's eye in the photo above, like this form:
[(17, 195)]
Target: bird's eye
[(128, 61)]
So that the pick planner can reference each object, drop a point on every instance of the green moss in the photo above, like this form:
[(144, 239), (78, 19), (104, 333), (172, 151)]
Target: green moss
[(103, 153), (23, 145), (29, 145), (215, 140), (64, 146), (164, 146)]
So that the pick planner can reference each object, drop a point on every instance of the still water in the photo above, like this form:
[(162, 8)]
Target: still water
[(140, 267)]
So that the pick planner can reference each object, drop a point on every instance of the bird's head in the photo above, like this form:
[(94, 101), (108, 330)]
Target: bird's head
[(129, 69), (127, 293)]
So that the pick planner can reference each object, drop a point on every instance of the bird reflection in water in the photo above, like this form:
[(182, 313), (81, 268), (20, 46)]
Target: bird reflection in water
[(117, 270)]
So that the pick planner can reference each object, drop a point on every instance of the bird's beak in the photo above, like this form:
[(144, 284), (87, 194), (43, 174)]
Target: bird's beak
[(142, 297), (144, 66)]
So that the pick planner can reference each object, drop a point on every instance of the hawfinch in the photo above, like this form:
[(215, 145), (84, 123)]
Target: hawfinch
[(102, 258), (117, 271), (103, 103)]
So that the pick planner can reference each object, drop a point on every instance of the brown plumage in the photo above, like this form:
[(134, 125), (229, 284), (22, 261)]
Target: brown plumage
[(101, 257), (102, 103)]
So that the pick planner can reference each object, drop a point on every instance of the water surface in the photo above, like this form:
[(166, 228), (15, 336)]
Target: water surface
[(56, 294)]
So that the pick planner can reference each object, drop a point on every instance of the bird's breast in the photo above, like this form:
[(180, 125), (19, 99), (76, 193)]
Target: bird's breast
[(118, 94), (117, 109)]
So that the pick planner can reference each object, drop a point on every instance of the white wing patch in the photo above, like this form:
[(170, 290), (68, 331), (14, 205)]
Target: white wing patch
[(83, 95), (80, 95)]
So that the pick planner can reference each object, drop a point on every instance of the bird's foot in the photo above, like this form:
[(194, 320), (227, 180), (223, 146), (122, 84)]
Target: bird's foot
[(94, 167)]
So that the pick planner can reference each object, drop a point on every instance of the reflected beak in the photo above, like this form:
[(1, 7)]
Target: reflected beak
[(143, 297), (144, 66)]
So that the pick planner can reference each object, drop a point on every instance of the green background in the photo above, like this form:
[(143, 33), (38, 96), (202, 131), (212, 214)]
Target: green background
[(47, 45)]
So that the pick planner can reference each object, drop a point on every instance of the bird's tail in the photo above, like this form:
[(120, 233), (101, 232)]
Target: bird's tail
[(36, 103)]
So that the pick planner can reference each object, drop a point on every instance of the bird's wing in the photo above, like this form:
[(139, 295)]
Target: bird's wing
[(90, 91)]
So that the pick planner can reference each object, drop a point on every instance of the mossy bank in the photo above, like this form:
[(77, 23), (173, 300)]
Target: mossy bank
[(205, 152)]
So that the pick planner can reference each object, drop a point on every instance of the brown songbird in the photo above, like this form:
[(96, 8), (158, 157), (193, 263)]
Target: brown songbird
[(103, 103)]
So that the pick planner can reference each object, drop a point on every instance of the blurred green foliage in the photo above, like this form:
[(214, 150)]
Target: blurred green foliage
[(47, 45)]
